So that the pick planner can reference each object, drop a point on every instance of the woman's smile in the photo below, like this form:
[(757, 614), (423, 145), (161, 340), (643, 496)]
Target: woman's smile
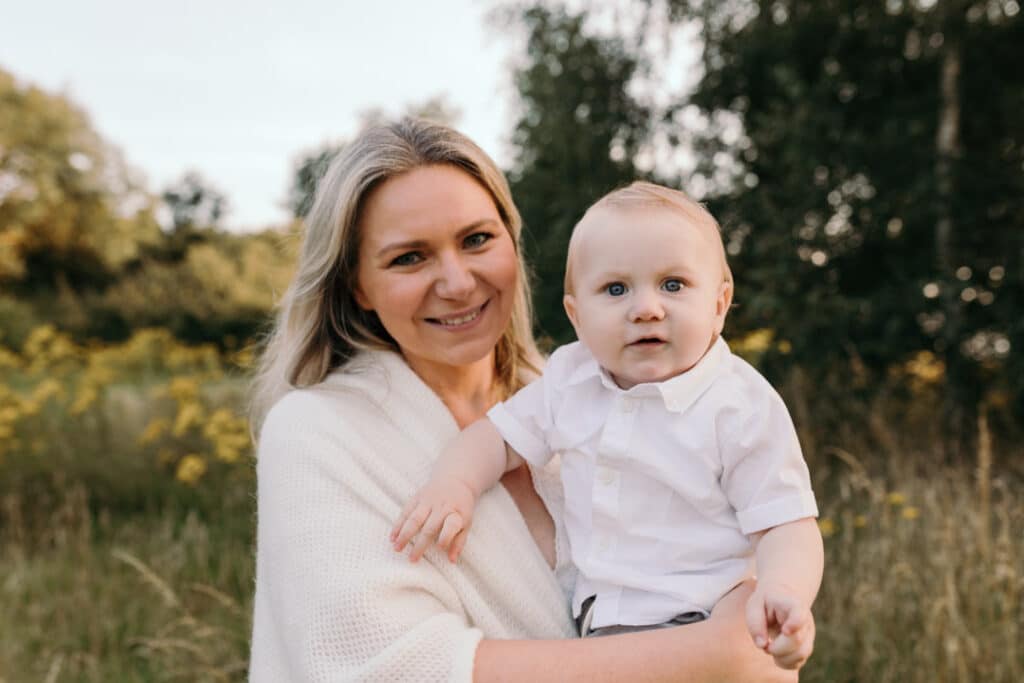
[(460, 321)]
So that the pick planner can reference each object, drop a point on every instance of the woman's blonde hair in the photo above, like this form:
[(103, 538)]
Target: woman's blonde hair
[(319, 326)]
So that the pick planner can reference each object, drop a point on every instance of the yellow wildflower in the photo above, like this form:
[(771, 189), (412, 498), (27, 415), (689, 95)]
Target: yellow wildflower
[(911, 512), (896, 498), (860, 521), (245, 357), (220, 421), (9, 359), (190, 469), (755, 342), (826, 526), (87, 395), (47, 389), (926, 367), (38, 339), (98, 375), (184, 389), (188, 414), (154, 430), (784, 346), (227, 452)]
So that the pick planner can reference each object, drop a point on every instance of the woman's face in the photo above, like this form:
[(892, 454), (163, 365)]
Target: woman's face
[(437, 265)]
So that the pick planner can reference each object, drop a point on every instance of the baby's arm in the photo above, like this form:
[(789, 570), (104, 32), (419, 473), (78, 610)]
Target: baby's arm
[(790, 559), (443, 509)]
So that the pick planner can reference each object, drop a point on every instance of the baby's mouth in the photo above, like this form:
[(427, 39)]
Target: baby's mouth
[(647, 342)]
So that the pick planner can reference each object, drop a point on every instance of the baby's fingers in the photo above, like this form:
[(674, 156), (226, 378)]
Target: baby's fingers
[(757, 622), (409, 524), (791, 651), (452, 525), (458, 544), (428, 534), (795, 620)]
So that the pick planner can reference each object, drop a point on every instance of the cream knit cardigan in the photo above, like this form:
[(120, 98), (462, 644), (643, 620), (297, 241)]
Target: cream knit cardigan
[(334, 602)]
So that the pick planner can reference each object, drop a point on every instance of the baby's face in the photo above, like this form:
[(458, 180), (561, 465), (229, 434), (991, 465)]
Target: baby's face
[(649, 296)]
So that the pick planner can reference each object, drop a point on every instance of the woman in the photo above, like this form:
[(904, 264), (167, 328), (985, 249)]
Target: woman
[(408, 318)]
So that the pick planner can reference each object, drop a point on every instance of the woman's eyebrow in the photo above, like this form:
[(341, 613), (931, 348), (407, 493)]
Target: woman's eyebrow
[(395, 246), (419, 244)]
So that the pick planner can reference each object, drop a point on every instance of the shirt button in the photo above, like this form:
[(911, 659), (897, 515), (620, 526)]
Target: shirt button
[(628, 405), (606, 476), (603, 545)]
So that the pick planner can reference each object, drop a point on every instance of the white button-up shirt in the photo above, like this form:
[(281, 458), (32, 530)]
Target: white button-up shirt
[(664, 481)]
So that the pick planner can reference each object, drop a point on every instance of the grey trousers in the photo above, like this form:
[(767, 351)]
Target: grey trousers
[(587, 615)]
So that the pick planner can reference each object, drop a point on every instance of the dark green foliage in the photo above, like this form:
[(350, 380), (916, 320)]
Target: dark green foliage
[(194, 203), (841, 222), (576, 139), (857, 232), (309, 169)]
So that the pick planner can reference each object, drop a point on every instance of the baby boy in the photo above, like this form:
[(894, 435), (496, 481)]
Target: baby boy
[(682, 471)]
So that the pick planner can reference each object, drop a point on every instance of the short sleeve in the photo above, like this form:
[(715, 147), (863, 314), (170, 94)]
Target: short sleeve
[(764, 474), (524, 421)]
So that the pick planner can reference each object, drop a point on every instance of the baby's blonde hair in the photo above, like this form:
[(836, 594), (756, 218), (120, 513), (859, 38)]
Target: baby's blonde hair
[(642, 194)]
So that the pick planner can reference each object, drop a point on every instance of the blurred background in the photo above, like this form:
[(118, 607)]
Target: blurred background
[(865, 160)]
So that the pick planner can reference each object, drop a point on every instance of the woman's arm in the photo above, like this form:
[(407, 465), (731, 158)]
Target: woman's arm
[(718, 650), (333, 601)]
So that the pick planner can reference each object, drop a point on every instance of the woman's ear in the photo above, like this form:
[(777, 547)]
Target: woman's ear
[(361, 299)]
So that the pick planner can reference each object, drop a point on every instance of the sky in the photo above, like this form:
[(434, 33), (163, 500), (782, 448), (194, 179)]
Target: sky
[(238, 89)]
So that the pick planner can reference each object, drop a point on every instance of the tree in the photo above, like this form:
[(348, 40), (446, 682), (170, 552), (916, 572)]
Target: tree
[(576, 138), (194, 203), (875, 196), (70, 213)]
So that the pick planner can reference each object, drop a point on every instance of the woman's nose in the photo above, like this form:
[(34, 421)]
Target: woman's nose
[(454, 281), (646, 307)]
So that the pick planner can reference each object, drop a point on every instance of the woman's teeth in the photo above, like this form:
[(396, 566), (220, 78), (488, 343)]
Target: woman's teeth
[(461, 320)]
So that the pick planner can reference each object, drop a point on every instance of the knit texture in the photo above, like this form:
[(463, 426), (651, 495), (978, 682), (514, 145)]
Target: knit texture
[(334, 602)]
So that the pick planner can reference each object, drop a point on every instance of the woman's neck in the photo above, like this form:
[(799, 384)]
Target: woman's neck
[(468, 391)]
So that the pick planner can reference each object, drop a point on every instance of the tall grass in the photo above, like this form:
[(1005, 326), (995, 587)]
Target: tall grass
[(118, 563)]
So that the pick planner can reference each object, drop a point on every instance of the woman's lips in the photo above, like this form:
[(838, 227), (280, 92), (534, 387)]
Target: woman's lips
[(460, 320)]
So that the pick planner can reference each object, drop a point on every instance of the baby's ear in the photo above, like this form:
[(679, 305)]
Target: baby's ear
[(722, 304), (569, 303)]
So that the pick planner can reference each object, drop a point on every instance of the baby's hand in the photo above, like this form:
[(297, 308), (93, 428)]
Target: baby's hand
[(781, 624), (441, 511)]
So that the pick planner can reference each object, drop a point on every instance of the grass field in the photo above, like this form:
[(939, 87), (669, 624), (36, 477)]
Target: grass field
[(127, 524)]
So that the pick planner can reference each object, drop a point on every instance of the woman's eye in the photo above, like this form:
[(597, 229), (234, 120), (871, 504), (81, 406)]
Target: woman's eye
[(407, 259), (477, 239), (615, 289), (672, 285)]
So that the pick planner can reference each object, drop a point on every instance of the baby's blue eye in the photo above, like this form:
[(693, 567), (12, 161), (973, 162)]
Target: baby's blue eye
[(615, 289), (672, 285)]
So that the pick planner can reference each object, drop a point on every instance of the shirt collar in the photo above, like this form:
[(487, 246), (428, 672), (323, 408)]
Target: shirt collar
[(678, 393)]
